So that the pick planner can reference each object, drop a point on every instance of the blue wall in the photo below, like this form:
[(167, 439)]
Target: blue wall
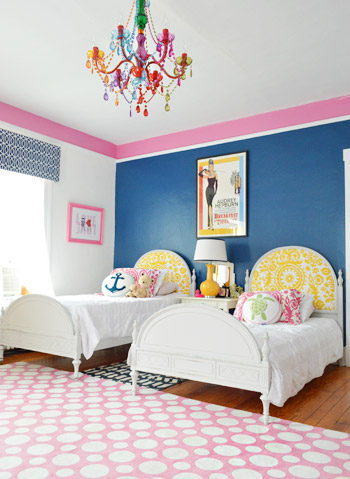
[(295, 197)]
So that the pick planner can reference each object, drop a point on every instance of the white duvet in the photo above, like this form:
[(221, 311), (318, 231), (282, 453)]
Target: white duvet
[(299, 353), (101, 317)]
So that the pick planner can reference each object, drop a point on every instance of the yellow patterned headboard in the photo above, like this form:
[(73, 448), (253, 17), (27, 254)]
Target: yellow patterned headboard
[(178, 271), (299, 268)]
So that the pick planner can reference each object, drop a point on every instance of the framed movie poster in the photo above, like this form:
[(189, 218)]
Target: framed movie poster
[(222, 196)]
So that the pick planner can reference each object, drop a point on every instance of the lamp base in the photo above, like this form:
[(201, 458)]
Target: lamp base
[(209, 287)]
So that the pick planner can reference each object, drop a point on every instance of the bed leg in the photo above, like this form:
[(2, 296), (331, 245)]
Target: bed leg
[(134, 375), (266, 407), (2, 348), (76, 364)]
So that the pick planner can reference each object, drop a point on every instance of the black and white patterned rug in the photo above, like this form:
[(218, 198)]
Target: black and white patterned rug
[(121, 372)]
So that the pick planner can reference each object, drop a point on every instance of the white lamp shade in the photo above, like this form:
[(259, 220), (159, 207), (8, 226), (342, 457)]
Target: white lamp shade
[(210, 251)]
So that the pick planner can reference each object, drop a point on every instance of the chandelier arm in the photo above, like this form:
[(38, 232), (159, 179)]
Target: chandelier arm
[(162, 58), (173, 76), (119, 64), (167, 74)]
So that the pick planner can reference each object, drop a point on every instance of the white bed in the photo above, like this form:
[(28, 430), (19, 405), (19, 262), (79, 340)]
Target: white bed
[(101, 318), (71, 325), (298, 354), (202, 343)]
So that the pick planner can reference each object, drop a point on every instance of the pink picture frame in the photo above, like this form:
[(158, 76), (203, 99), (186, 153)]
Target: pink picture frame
[(85, 224)]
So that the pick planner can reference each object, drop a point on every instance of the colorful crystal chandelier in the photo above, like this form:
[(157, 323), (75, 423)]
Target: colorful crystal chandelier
[(147, 65)]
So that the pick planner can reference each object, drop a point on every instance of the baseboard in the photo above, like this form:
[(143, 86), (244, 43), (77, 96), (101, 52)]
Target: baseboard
[(347, 356)]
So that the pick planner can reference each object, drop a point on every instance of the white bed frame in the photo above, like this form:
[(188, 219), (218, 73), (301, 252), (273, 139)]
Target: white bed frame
[(205, 344), (40, 323)]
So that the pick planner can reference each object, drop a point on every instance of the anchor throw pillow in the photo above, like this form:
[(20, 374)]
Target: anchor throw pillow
[(117, 284), (261, 308), (157, 276)]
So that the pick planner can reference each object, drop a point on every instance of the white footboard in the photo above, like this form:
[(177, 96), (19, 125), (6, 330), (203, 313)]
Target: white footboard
[(40, 323), (202, 343)]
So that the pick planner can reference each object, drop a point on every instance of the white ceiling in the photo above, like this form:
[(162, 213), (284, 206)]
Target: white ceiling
[(249, 57)]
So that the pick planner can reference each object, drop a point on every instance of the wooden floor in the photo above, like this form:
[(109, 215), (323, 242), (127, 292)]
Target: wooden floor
[(324, 402)]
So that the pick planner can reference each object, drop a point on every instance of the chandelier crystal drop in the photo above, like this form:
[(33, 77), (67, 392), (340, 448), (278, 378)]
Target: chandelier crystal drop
[(147, 64)]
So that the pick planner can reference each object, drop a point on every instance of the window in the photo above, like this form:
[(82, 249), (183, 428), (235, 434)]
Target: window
[(23, 248)]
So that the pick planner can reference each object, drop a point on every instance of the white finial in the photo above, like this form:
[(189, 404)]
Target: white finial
[(340, 278), (265, 348), (246, 284), (193, 283)]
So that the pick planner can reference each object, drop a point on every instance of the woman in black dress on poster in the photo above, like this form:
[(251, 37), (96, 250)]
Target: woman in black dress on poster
[(211, 190)]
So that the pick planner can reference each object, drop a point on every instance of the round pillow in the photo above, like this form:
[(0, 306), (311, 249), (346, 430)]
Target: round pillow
[(117, 284), (262, 308)]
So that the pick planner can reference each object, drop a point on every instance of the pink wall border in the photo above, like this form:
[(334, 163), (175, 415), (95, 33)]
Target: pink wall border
[(311, 112), (289, 117), (29, 121)]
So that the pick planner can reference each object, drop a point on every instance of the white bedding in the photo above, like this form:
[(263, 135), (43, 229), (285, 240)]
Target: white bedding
[(299, 353), (100, 317)]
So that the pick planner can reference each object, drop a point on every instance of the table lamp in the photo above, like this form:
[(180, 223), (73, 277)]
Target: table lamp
[(210, 251)]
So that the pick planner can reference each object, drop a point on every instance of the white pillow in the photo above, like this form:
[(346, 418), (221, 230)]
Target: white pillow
[(262, 308), (306, 307), (167, 288), (117, 284), (160, 280)]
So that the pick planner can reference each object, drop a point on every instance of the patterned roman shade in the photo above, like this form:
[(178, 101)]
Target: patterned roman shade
[(29, 156)]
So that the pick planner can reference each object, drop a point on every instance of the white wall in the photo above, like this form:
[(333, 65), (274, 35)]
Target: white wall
[(87, 178), (346, 157)]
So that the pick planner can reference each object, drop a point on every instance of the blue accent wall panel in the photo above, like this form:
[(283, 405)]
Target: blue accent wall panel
[(295, 197)]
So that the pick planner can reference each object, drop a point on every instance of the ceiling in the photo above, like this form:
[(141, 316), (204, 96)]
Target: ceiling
[(249, 57)]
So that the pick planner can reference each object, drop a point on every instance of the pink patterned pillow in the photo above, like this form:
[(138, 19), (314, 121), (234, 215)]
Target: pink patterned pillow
[(290, 300), (239, 306), (136, 273)]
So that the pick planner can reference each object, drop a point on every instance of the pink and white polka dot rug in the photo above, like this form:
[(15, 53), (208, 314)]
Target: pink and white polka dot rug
[(54, 427)]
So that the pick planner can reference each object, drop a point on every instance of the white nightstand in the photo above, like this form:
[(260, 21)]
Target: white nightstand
[(221, 303)]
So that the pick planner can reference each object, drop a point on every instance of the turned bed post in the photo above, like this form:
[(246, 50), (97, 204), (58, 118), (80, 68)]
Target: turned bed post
[(2, 346), (339, 306), (76, 361), (193, 283), (265, 361), (134, 374), (246, 281)]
